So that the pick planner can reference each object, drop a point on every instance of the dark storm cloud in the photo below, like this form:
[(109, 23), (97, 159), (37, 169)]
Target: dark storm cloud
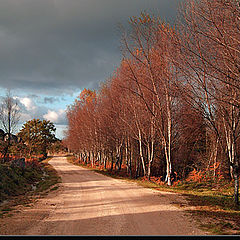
[(50, 100), (54, 46)]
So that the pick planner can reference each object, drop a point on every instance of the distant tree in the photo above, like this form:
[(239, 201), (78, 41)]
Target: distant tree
[(57, 147), (38, 136), (9, 118)]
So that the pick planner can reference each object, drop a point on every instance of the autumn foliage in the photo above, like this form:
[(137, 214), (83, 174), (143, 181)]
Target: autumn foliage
[(170, 111)]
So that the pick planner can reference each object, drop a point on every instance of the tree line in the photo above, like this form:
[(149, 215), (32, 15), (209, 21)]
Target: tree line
[(35, 138), (172, 105)]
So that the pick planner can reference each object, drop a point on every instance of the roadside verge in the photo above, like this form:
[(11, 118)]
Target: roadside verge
[(25, 187)]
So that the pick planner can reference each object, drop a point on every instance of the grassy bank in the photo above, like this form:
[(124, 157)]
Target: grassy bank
[(210, 203), (50, 178), (18, 186)]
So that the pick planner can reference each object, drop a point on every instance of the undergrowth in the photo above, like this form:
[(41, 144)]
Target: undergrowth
[(18, 186), (16, 181)]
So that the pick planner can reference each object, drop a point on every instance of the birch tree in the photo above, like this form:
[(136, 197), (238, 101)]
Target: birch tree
[(9, 118), (149, 43), (209, 41)]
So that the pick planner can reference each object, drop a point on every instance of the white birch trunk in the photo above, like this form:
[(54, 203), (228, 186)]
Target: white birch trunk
[(141, 152)]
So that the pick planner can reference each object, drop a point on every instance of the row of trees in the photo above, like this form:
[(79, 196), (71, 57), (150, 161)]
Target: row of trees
[(173, 104)]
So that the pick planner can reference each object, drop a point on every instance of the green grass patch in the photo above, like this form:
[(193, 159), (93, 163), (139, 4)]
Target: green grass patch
[(6, 209), (54, 188), (221, 228)]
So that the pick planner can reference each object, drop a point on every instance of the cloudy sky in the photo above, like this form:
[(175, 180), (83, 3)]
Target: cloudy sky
[(52, 49)]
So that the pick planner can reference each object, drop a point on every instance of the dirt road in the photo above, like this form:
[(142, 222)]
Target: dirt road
[(89, 203)]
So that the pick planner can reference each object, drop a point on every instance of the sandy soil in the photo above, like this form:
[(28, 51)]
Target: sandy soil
[(88, 203)]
